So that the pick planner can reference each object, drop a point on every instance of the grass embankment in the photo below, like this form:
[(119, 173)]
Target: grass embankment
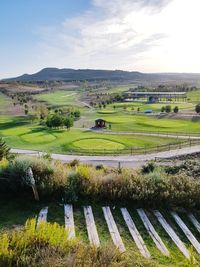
[(15, 212)]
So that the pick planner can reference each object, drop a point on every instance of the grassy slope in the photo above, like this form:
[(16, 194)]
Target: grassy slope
[(15, 212)]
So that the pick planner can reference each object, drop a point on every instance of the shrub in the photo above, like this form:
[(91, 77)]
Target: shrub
[(50, 177), (149, 167), (48, 245), (4, 150)]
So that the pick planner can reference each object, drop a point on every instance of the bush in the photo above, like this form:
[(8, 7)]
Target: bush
[(153, 186), (48, 245), (50, 177), (149, 167)]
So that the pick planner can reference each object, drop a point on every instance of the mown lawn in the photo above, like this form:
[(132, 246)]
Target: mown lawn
[(125, 122), (155, 107), (194, 96), (59, 98), (19, 133), (15, 211)]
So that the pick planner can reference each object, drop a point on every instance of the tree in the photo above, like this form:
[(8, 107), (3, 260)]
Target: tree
[(176, 109), (197, 108), (68, 122), (55, 121), (163, 109), (168, 108), (4, 150)]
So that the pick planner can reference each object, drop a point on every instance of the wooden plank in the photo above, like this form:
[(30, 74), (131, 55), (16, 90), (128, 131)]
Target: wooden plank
[(135, 234), (113, 229), (194, 221), (69, 220), (152, 232), (91, 227), (170, 231), (186, 231), (42, 217)]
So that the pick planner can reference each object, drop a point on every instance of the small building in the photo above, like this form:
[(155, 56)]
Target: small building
[(100, 123)]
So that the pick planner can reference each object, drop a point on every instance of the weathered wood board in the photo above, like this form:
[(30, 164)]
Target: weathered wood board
[(135, 234), (186, 231), (91, 227), (117, 240), (69, 220), (152, 232), (170, 231), (42, 217), (194, 221)]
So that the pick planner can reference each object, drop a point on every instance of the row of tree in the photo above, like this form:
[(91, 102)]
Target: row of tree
[(168, 109), (60, 121)]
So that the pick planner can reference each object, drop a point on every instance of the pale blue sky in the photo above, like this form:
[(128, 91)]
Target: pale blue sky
[(142, 35)]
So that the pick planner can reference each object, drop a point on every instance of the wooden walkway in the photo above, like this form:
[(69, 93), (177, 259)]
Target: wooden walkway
[(194, 221), (91, 227), (42, 217), (69, 220), (135, 234), (186, 231), (172, 234), (113, 229), (115, 235), (152, 232)]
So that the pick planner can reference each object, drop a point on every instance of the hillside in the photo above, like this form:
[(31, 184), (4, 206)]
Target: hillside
[(53, 74)]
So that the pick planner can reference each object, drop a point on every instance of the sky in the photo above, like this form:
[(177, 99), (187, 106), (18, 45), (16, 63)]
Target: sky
[(135, 35)]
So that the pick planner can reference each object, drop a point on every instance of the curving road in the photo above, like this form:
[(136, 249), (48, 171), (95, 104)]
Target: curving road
[(127, 161)]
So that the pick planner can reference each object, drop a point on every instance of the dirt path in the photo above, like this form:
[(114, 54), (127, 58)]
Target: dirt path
[(128, 161)]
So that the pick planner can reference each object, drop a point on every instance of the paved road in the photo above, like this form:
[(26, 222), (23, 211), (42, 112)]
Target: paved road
[(126, 161), (172, 135)]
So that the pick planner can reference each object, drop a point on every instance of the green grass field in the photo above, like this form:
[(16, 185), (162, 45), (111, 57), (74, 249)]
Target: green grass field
[(133, 106), (137, 123), (194, 96), (59, 98), (18, 133), (14, 212)]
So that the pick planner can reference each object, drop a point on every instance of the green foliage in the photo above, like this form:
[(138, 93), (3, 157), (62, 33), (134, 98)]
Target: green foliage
[(149, 167), (152, 186), (163, 109), (50, 177), (197, 108), (48, 245), (168, 108), (56, 121), (4, 150), (176, 109)]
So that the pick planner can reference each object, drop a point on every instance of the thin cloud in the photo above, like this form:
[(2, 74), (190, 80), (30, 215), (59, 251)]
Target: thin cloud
[(126, 34)]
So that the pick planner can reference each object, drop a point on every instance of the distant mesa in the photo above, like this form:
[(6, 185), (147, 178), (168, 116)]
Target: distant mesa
[(70, 75)]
